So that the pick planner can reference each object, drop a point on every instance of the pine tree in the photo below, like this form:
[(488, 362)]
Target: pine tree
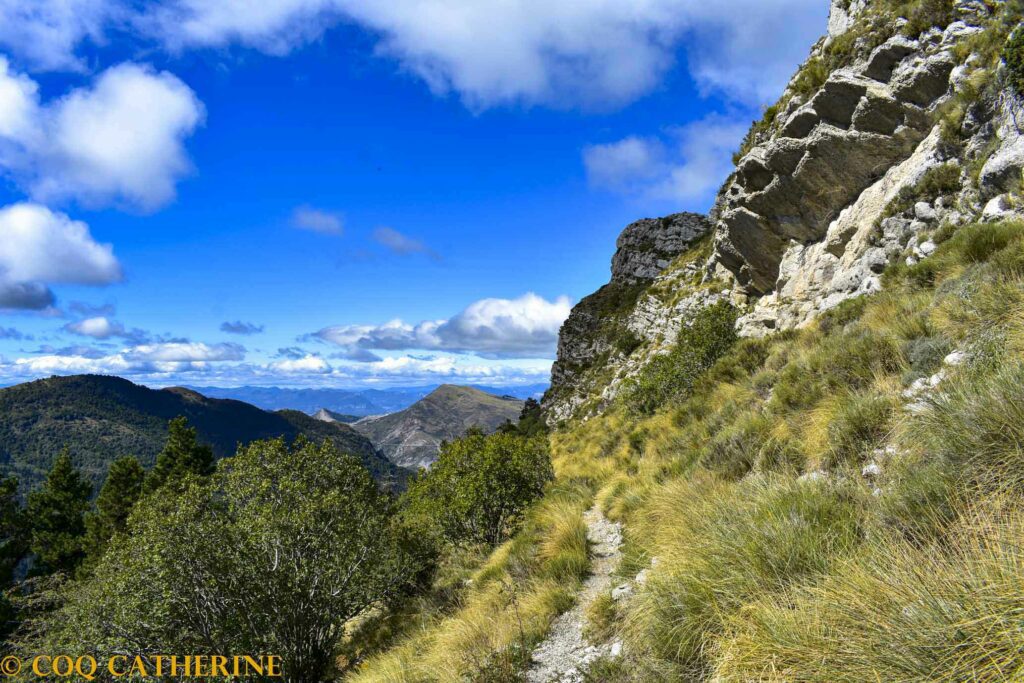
[(56, 513), (117, 497), (14, 532), (182, 455)]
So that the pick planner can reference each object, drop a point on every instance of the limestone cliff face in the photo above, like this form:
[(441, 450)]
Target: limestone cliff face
[(598, 340), (893, 128)]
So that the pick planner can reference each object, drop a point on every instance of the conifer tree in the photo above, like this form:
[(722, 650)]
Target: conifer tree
[(56, 513), (14, 532), (182, 455), (121, 490)]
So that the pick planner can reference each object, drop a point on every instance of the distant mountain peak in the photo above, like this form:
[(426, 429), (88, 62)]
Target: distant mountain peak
[(411, 438)]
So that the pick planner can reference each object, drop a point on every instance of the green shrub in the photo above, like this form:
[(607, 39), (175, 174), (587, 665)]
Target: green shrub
[(936, 182), (977, 243), (1013, 56), (925, 355), (839, 316), (812, 75), (268, 555), (480, 486), (671, 377), (780, 456), (920, 499), (848, 361), (922, 15)]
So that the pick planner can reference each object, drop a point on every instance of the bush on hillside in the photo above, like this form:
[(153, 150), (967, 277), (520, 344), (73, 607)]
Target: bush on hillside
[(671, 377), (272, 554), (1013, 56), (480, 486)]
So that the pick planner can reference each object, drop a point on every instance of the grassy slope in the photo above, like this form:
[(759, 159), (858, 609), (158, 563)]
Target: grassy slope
[(762, 574), (103, 418)]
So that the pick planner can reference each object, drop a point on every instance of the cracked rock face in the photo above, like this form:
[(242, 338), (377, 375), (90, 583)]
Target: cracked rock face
[(864, 120), (647, 247)]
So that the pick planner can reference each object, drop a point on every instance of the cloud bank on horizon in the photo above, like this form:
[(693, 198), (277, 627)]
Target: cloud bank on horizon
[(120, 140)]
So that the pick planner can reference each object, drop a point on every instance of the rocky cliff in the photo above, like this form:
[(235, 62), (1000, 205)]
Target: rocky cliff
[(898, 127)]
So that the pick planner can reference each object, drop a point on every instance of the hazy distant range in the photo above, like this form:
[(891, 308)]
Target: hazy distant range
[(355, 402)]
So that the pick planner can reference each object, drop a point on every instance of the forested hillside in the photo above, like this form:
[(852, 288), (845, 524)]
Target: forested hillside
[(102, 418)]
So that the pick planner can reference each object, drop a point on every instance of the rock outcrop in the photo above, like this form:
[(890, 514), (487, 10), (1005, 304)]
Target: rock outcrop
[(597, 341), (887, 135), (862, 122), (648, 246)]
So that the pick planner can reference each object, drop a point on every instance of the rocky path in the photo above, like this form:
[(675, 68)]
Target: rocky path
[(565, 655)]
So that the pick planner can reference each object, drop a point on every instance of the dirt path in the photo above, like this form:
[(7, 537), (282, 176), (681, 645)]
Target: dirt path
[(565, 655)]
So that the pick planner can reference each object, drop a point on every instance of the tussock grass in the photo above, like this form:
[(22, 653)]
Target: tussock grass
[(976, 426), (721, 545), (899, 612)]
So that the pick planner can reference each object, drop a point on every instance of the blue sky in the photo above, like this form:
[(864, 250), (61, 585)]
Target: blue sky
[(343, 192)]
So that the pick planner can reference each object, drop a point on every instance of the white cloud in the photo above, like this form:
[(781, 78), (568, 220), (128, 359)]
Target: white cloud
[(40, 247), (687, 165), (489, 52), (19, 97), (523, 327), (316, 220), (310, 371), (37, 244), (185, 352), (307, 364), (120, 141), (97, 328), (622, 165), (45, 33)]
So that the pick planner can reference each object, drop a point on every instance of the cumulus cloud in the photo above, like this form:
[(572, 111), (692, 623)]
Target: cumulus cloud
[(316, 220), (45, 33), (97, 328), (489, 52), (524, 327), (687, 165), (40, 247), (306, 364), (119, 141), (185, 352), (239, 327), (102, 328)]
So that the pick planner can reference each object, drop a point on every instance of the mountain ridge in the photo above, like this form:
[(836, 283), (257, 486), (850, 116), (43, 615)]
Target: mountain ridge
[(411, 438), (101, 418)]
